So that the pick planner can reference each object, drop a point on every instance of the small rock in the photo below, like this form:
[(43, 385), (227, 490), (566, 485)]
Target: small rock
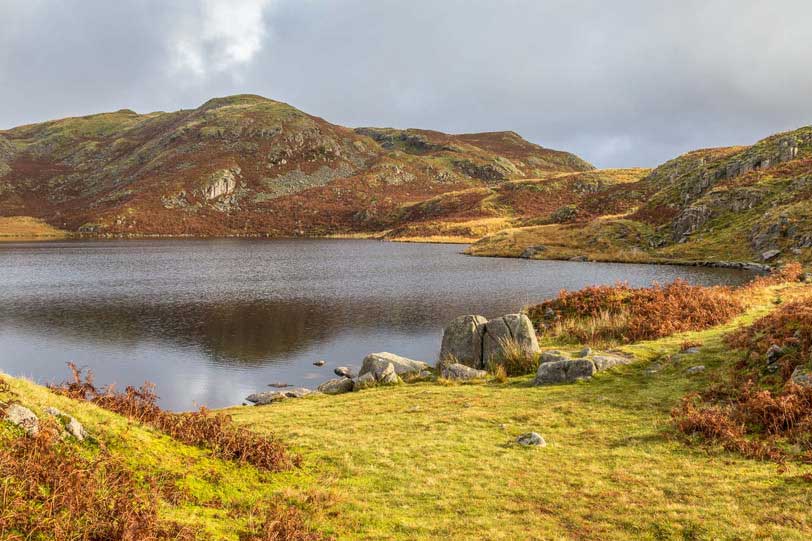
[(553, 356), (579, 258), (604, 362), (460, 372), (586, 352), (564, 371), (24, 418), (770, 254), (802, 376), (72, 426), (693, 350), (319, 363), (268, 397), (279, 384), (530, 439), (695, 370), (336, 386), (774, 353), (343, 372)]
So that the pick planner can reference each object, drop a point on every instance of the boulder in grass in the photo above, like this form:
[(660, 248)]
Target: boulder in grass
[(269, 397), (461, 372), (72, 426), (336, 386), (531, 439), (564, 371), (462, 341), (605, 361), (387, 375), (24, 418), (404, 367)]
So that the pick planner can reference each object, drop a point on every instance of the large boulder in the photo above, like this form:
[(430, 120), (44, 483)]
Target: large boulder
[(462, 341), (336, 386), (24, 418), (516, 328), (376, 363), (460, 372), (564, 371), (386, 375)]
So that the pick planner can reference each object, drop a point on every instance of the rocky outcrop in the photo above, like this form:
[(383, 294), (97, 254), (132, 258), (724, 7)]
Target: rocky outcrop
[(558, 367), (802, 376), (462, 340), (221, 183), (376, 363)]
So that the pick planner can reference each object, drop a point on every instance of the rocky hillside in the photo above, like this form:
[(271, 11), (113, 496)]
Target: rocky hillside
[(726, 204), (246, 165)]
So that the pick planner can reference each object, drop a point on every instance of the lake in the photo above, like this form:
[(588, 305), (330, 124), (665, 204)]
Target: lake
[(211, 321)]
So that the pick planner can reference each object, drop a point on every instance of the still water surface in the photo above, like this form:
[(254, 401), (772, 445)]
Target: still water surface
[(210, 321)]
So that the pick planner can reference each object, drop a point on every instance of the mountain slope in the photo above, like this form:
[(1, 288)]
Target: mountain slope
[(244, 165), (726, 204)]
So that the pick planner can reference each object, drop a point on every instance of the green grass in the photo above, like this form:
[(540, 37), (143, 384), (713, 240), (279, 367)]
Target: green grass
[(429, 461)]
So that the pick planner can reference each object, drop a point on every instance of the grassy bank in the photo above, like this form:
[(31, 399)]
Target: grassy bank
[(17, 228), (430, 461)]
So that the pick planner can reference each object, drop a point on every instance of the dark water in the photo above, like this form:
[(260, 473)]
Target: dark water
[(212, 321)]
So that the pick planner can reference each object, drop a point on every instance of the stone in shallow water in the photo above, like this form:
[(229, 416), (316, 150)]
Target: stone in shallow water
[(269, 397), (531, 439)]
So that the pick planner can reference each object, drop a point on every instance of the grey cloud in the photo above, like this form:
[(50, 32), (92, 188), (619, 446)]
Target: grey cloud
[(620, 83)]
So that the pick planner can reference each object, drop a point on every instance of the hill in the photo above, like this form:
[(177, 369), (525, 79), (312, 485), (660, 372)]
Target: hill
[(246, 165), (719, 205)]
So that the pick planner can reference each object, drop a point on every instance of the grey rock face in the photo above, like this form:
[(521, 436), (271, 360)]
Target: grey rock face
[(343, 372), (802, 376), (774, 353), (586, 352), (531, 439), (564, 371), (24, 418), (269, 397), (461, 372), (462, 340), (513, 327), (387, 375), (336, 386), (404, 367)]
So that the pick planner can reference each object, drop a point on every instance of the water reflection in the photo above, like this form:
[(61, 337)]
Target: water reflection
[(211, 321)]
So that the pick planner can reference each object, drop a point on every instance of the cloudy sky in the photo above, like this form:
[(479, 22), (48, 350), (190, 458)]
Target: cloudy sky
[(620, 83)]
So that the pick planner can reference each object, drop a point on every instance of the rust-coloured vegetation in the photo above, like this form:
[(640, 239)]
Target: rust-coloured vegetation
[(623, 314), (52, 491), (202, 428)]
